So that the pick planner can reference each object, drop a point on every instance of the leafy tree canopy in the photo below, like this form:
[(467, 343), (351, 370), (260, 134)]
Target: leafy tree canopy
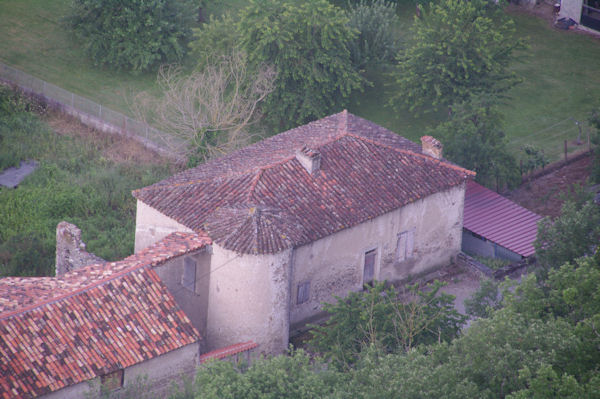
[(473, 138), (307, 42), (133, 35), (576, 232), (458, 48), (376, 317)]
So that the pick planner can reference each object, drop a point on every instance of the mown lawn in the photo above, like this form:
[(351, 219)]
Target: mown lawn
[(559, 71)]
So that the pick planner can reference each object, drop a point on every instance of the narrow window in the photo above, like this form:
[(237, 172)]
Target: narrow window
[(188, 280), (405, 246), (112, 381), (303, 292), (369, 268)]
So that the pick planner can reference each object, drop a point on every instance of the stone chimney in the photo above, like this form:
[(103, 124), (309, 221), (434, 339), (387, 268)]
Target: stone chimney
[(309, 158), (70, 250), (431, 147)]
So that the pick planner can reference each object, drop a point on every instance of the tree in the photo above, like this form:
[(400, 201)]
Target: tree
[(376, 317), (458, 48), (134, 35), (208, 112), (575, 233), (376, 41), (308, 43), (473, 139)]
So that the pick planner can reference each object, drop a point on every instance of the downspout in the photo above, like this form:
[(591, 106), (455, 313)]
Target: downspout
[(290, 286)]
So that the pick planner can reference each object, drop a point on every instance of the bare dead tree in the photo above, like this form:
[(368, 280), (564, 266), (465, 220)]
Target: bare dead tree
[(207, 113)]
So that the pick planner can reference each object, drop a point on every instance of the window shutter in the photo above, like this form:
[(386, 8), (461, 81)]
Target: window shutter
[(188, 280)]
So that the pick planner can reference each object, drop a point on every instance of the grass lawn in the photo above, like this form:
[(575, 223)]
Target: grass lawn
[(559, 71)]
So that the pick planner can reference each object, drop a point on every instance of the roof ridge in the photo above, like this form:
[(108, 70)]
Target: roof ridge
[(409, 152)]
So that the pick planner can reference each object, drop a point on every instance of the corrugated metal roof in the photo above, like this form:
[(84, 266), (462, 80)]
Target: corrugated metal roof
[(500, 220)]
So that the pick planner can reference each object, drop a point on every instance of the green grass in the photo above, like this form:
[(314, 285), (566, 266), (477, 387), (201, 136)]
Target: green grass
[(76, 181), (35, 41), (560, 82), (559, 71)]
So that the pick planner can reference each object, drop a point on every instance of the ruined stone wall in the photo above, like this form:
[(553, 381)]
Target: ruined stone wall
[(334, 264), (70, 249)]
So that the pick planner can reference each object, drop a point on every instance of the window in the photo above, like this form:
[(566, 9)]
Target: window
[(303, 292), (188, 280), (369, 268), (112, 381), (406, 240)]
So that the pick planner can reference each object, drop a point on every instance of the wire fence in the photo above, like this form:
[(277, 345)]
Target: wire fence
[(560, 140), (115, 121)]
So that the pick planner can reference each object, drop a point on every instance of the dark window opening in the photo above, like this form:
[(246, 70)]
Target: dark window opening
[(369, 268), (112, 381)]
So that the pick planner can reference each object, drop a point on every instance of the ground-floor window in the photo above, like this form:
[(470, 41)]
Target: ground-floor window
[(369, 266)]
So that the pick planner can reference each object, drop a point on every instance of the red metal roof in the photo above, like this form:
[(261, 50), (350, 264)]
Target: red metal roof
[(500, 220)]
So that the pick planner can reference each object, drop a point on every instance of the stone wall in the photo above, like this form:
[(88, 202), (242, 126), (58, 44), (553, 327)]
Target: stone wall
[(70, 249), (334, 264), (249, 300)]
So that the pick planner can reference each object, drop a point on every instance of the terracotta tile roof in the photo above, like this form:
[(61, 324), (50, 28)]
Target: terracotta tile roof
[(260, 199), (500, 220), (231, 350), (56, 332)]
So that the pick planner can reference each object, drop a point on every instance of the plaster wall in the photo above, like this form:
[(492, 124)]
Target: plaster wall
[(194, 302), (249, 300), (152, 226), (334, 264), (77, 391), (571, 9), (163, 367)]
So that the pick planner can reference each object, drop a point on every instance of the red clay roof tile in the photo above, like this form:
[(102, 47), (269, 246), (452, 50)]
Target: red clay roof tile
[(260, 199), (55, 332)]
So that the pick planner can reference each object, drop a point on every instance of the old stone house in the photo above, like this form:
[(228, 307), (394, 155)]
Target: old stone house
[(297, 218)]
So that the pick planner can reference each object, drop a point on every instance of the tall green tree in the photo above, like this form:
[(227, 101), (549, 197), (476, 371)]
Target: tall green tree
[(133, 35), (474, 139), (308, 43), (458, 48)]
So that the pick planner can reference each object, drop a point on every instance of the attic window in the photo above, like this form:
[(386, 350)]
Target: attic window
[(188, 279), (112, 381)]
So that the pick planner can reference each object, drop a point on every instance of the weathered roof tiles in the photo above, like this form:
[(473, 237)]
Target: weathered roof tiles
[(365, 171), (56, 332)]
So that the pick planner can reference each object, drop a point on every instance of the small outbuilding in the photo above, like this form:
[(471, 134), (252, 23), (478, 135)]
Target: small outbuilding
[(496, 227)]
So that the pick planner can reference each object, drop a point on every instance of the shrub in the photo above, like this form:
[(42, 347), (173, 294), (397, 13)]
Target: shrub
[(377, 40), (135, 35)]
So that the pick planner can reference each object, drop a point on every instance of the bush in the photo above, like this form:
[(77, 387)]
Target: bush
[(134, 35), (375, 23)]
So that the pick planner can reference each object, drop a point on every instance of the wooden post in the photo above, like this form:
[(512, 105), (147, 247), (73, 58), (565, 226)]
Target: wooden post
[(565, 150)]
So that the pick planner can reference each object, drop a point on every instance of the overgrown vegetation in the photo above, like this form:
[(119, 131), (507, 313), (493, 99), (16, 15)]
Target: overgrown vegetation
[(540, 342), (133, 34), (75, 181)]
